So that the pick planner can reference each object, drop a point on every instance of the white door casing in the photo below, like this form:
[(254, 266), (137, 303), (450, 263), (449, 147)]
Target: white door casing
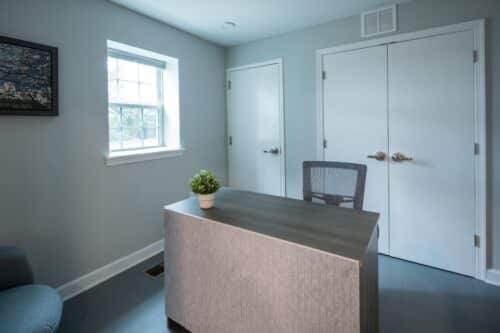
[(355, 114), (256, 154), (431, 119)]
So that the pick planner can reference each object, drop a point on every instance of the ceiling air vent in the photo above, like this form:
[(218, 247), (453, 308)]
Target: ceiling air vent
[(379, 21)]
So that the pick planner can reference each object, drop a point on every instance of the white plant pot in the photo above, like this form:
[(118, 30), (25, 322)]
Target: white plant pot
[(206, 200)]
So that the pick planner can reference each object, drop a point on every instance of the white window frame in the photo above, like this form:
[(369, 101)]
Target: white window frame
[(170, 142)]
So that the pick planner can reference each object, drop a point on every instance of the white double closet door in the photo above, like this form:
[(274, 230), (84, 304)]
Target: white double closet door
[(415, 98)]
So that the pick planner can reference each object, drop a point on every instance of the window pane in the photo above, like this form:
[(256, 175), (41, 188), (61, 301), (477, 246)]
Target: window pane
[(112, 68), (147, 74), (148, 93), (128, 92), (128, 70), (131, 138), (151, 118), (135, 107), (115, 138), (113, 90), (151, 137), (131, 117), (114, 118)]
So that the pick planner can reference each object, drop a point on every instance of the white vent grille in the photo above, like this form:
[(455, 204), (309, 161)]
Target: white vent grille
[(379, 21)]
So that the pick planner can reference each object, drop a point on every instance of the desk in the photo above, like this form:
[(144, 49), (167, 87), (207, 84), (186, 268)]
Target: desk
[(260, 263)]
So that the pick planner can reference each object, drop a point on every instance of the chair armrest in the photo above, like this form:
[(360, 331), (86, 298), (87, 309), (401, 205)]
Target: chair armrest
[(14, 267)]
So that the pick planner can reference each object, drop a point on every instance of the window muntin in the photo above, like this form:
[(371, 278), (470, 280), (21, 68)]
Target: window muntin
[(136, 108)]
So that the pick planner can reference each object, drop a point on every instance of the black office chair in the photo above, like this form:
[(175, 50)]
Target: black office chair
[(334, 183)]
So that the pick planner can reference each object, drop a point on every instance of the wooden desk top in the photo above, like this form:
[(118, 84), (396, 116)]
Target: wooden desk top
[(341, 231)]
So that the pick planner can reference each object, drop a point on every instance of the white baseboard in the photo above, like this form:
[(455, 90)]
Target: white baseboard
[(77, 286), (493, 276)]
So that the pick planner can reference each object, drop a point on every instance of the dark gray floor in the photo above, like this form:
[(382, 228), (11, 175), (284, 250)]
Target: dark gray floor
[(413, 298)]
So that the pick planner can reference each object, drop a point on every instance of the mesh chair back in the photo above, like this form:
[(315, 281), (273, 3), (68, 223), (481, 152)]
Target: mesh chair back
[(334, 183)]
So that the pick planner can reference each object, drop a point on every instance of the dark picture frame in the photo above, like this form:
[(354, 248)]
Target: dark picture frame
[(28, 78)]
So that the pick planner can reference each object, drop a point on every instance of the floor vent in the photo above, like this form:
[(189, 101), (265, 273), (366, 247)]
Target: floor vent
[(155, 271)]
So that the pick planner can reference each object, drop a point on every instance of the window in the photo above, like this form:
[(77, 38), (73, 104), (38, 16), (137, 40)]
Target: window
[(142, 102)]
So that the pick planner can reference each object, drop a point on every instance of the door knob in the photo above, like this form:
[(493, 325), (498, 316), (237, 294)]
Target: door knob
[(400, 157), (379, 156), (274, 151)]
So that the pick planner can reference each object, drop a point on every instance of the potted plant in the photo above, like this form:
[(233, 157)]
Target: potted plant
[(205, 185)]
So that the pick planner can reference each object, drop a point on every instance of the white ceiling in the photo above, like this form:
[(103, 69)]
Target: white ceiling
[(255, 19)]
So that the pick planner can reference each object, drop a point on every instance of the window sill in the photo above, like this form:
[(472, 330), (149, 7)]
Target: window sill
[(133, 156)]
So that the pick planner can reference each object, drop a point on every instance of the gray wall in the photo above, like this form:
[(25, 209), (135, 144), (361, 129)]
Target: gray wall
[(58, 200), (298, 52)]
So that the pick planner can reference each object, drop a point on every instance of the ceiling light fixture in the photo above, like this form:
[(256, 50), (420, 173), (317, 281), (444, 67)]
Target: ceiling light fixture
[(228, 25)]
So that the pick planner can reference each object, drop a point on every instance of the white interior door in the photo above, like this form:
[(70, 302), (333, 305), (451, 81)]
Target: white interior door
[(255, 120), (431, 119), (355, 121)]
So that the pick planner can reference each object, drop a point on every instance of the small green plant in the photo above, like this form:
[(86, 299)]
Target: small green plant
[(204, 182)]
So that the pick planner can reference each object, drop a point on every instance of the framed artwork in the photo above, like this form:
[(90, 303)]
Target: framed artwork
[(28, 78)]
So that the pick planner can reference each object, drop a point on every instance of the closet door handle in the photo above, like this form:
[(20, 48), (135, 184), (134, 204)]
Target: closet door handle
[(274, 151), (379, 156), (400, 157)]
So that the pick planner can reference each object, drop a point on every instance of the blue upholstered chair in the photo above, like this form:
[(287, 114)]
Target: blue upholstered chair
[(25, 307)]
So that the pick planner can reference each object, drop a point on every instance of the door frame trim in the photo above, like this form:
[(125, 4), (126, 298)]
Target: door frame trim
[(478, 29), (279, 62)]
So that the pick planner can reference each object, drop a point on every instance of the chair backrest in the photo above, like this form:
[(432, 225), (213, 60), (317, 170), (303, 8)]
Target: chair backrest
[(334, 183)]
